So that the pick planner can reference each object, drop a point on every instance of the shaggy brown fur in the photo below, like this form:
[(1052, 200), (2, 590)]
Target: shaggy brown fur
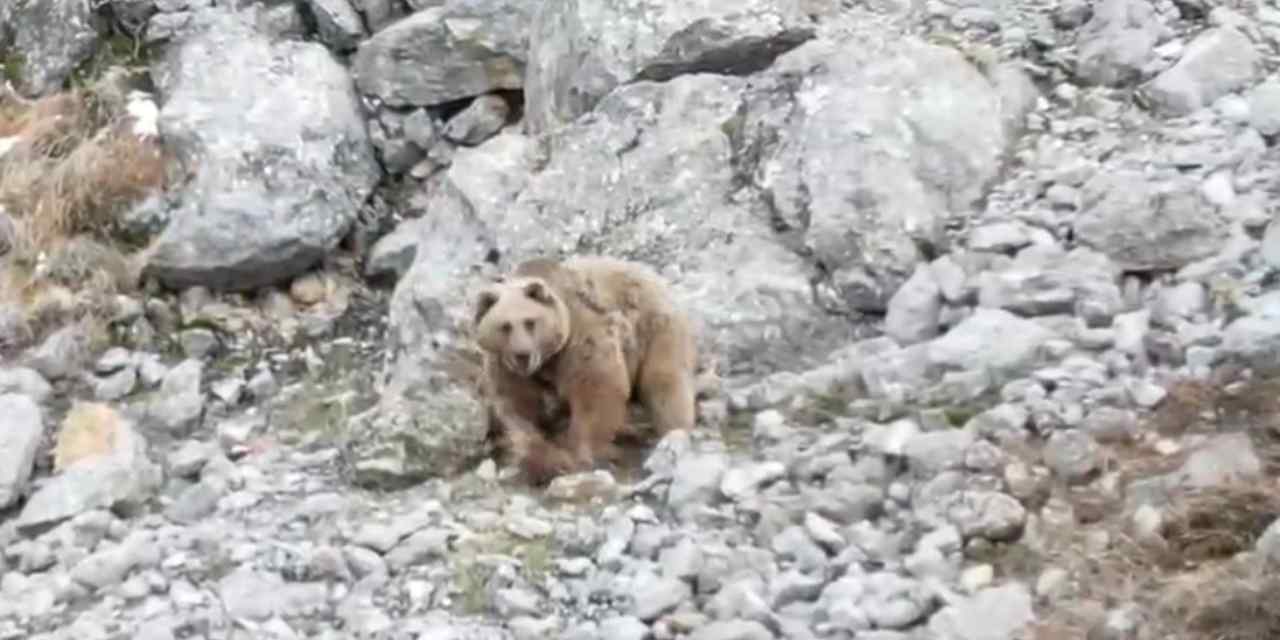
[(587, 335)]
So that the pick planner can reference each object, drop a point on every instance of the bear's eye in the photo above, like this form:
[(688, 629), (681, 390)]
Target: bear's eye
[(506, 327), (528, 324)]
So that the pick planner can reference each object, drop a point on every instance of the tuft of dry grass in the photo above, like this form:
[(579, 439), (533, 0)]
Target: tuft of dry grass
[(1200, 578), (1226, 403), (1189, 404), (70, 165), (1224, 602), (1218, 522)]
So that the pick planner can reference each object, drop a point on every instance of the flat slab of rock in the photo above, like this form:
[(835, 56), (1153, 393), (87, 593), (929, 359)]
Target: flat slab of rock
[(121, 479), (991, 339), (995, 613)]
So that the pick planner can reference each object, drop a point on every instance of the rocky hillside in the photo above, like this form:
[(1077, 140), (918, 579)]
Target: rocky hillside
[(990, 288)]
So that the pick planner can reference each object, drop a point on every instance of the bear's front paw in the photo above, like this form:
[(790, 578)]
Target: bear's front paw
[(539, 472)]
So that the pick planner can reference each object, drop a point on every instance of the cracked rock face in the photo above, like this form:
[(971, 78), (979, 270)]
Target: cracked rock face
[(870, 130), (579, 52)]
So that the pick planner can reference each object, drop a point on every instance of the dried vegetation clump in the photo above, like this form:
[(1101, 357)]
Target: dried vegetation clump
[(1223, 592), (1218, 522), (1230, 601), (1226, 403), (1208, 573), (70, 164)]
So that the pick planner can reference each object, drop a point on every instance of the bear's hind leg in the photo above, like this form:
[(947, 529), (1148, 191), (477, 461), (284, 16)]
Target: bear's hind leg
[(667, 385)]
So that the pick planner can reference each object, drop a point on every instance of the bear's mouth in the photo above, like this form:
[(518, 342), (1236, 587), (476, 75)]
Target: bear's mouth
[(522, 364)]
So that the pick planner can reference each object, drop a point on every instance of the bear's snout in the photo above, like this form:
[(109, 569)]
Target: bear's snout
[(522, 360)]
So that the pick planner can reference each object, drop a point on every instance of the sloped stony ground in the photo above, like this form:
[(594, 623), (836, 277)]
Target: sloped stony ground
[(989, 288)]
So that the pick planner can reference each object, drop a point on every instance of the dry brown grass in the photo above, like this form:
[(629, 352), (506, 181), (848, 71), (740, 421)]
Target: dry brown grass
[(1219, 522), (1227, 601), (1190, 585), (1189, 405), (73, 166), (70, 166), (1226, 403), (1198, 579)]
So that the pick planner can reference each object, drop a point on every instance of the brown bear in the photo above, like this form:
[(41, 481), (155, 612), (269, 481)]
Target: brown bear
[(587, 334)]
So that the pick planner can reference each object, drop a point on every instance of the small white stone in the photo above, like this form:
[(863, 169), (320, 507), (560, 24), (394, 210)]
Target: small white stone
[(977, 577)]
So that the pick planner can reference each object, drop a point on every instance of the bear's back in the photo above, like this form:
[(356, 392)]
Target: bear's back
[(632, 288)]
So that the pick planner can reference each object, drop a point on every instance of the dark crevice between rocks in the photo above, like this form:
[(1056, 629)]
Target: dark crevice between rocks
[(743, 58), (749, 145), (121, 46), (309, 23), (239, 277), (751, 142), (447, 110), (515, 104)]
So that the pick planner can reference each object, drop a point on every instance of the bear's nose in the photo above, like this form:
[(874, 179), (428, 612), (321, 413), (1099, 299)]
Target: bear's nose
[(522, 359)]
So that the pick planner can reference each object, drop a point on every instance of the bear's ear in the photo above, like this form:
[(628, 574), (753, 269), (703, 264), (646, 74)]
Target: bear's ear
[(484, 302), (537, 290)]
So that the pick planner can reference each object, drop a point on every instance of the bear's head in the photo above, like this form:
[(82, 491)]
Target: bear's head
[(523, 322)]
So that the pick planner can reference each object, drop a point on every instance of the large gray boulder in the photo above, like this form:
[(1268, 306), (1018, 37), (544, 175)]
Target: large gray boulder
[(460, 49), (282, 159), (580, 50), (863, 148), (1148, 221), (1119, 42), (1214, 64), (654, 172), (50, 38)]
